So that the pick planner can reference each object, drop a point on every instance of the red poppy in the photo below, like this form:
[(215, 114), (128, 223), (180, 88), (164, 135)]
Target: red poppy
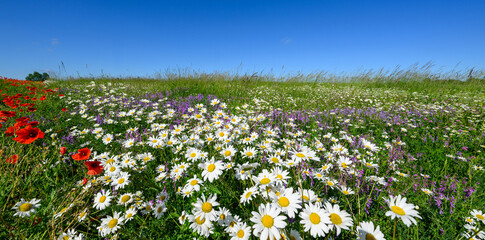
[(83, 154), (28, 134), (13, 159), (64, 109), (42, 98), (94, 167), (63, 150), (85, 180), (10, 131), (22, 119), (3, 119), (8, 114), (31, 109), (34, 123)]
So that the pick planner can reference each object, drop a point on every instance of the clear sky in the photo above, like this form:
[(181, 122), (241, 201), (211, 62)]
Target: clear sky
[(142, 38)]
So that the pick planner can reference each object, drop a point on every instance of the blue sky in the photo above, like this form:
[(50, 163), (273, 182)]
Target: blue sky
[(142, 38)]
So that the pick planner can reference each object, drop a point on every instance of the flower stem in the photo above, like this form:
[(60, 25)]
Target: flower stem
[(394, 231)]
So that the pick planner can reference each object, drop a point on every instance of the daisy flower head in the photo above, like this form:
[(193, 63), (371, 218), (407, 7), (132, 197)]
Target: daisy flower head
[(159, 209), (267, 222), (281, 176), (204, 207), (241, 232), (339, 219), (125, 199), (307, 195), (212, 169), (315, 220), (200, 225), (366, 230), (129, 214), (427, 191), (26, 208), (108, 138), (228, 152), (102, 199), (120, 181), (478, 214), (288, 201), (111, 224), (400, 209), (249, 152), (264, 179), (193, 184), (248, 194)]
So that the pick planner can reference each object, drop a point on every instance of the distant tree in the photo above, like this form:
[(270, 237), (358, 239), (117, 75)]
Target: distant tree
[(36, 76)]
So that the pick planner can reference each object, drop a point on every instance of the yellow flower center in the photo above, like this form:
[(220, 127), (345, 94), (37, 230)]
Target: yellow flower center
[(113, 223), (227, 153), (198, 221), (345, 192), (211, 167), (398, 210), (267, 221), (169, 142), (223, 216), (315, 218), (193, 155), (480, 217), (102, 199), (240, 233), (279, 176), (125, 198), (129, 215), (265, 181), (300, 155), (248, 194), (369, 236), (275, 160), (159, 209), (335, 218), (283, 201), (249, 154), (324, 167), (110, 161), (121, 181), (198, 116), (25, 207), (344, 165), (305, 197), (112, 169), (108, 139), (330, 183), (193, 182), (207, 207)]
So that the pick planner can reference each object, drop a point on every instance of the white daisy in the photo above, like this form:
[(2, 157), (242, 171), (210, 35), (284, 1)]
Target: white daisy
[(212, 169), (367, 231), (315, 220), (339, 219), (102, 199), (26, 208), (400, 209), (267, 222), (204, 208), (111, 224)]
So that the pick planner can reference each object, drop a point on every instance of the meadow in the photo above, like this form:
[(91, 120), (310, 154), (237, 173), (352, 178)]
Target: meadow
[(203, 157)]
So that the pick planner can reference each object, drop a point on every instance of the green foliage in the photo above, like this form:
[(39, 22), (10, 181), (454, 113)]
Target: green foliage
[(36, 76)]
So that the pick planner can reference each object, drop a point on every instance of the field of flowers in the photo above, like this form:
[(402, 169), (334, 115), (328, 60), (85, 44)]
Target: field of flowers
[(200, 159)]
